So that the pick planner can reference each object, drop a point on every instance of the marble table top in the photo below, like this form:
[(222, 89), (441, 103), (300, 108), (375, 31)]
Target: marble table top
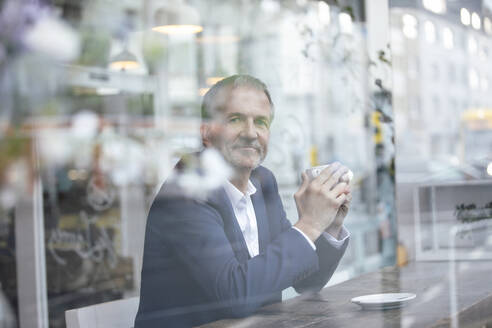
[(431, 281)]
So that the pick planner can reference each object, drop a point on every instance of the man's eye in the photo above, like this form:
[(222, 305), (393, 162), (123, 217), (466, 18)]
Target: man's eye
[(263, 122), (234, 120)]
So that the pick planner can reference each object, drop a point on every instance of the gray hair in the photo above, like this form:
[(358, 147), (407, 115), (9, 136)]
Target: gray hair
[(212, 103)]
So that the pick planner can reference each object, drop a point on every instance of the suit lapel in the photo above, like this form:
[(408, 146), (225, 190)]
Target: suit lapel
[(261, 215), (219, 200)]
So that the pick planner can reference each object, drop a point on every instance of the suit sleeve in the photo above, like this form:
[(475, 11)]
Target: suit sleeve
[(328, 255), (195, 232)]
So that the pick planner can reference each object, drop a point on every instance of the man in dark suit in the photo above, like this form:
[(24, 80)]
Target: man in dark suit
[(233, 251)]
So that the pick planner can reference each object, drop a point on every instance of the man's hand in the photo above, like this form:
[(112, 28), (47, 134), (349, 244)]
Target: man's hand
[(319, 201), (335, 228)]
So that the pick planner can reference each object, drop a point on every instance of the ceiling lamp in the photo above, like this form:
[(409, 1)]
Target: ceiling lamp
[(436, 6), (475, 21), (176, 17), (465, 16), (487, 25), (124, 61), (410, 26)]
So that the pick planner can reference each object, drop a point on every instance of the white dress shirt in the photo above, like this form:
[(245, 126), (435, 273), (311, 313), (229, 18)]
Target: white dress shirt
[(246, 217)]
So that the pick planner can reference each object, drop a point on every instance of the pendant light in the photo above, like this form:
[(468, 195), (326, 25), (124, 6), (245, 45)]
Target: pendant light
[(176, 17), (124, 61)]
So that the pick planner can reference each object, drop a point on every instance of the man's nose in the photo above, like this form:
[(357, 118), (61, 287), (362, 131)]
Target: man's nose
[(249, 130)]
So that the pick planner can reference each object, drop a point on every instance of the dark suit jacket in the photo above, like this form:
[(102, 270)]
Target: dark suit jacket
[(196, 265)]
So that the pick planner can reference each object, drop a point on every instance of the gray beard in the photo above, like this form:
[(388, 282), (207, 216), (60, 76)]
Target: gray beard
[(234, 162)]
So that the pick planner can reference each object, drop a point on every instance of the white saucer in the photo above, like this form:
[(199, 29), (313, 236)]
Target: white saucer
[(383, 301)]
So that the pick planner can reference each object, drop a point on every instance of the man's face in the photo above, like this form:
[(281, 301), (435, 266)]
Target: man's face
[(242, 131)]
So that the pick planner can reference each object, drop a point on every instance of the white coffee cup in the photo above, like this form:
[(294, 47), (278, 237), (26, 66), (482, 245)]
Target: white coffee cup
[(316, 170)]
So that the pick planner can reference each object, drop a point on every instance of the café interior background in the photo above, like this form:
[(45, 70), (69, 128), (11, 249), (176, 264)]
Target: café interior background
[(100, 98)]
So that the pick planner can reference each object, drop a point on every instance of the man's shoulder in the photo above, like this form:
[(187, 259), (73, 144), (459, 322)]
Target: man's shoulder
[(173, 204), (262, 173), (265, 177)]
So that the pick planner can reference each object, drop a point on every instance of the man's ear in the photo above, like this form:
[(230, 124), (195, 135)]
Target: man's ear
[(205, 133), (211, 133)]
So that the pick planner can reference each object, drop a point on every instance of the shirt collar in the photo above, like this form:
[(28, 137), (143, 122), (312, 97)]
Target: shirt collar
[(235, 195)]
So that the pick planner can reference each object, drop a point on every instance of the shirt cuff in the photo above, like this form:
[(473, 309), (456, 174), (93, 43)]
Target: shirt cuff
[(337, 243), (309, 240)]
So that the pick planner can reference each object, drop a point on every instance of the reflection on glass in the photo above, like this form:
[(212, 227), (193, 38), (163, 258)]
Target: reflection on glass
[(465, 16), (436, 6), (475, 21), (410, 26), (472, 45), (430, 32), (487, 25), (94, 120), (447, 38)]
